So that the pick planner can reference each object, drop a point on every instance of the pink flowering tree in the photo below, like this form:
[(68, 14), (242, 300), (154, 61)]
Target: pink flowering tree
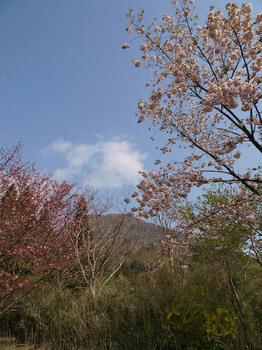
[(36, 216), (206, 96)]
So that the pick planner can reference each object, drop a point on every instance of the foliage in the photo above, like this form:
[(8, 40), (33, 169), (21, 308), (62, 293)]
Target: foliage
[(146, 310)]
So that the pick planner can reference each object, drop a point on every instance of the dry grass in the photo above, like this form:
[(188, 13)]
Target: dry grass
[(9, 344)]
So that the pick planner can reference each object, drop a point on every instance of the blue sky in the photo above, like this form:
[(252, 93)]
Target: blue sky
[(69, 90)]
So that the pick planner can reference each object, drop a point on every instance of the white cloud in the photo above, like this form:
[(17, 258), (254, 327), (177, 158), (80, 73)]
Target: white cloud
[(110, 164)]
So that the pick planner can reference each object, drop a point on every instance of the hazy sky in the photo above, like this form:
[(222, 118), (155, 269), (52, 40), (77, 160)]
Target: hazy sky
[(69, 90)]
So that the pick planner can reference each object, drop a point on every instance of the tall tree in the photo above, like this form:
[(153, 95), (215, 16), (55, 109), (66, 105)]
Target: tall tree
[(36, 216), (206, 97)]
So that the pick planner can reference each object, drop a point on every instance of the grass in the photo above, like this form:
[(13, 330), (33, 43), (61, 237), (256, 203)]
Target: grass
[(8, 344)]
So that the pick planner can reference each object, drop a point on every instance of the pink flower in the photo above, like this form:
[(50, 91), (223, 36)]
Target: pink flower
[(259, 17), (158, 30), (137, 63), (125, 46)]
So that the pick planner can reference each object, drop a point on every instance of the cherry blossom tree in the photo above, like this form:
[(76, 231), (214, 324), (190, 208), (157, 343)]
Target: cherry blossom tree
[(36, 216), (206, 97)]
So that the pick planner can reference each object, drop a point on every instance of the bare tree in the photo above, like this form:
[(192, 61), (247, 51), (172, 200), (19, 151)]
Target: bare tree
[(100, 244)]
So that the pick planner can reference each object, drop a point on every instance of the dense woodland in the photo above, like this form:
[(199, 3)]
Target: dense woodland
[(171, 272)]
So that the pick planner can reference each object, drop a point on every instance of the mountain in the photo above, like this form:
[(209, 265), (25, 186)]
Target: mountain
[(129, 228), (137, 230)]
